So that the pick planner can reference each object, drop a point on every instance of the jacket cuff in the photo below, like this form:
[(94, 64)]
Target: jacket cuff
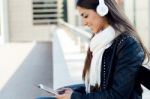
[(76, 95)]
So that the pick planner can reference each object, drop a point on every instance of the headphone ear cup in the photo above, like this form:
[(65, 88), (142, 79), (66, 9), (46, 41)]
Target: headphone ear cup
[(102, 9)]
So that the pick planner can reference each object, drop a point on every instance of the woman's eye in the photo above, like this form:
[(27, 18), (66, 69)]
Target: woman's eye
[(85, 16)]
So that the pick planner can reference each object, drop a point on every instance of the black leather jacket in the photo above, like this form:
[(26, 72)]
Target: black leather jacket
[(120, 67)]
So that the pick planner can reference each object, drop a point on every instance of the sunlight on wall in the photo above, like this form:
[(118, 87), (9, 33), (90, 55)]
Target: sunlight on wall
[(12, 56)]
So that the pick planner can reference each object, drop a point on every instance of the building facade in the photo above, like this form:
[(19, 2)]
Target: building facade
[(28, 20), (16, 19), (138, 12)]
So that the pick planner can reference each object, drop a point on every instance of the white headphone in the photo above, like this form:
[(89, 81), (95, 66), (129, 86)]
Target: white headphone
[(102, 8)]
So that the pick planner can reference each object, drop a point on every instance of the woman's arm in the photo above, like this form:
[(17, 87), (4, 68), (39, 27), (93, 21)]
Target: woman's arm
[(80, 88)]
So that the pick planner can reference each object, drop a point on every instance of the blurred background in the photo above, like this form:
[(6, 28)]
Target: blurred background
[(44, 41)]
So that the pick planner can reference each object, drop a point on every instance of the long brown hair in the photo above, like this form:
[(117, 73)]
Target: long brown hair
[(117, 19)]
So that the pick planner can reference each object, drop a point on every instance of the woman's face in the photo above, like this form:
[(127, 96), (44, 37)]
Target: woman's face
[(92, 19)]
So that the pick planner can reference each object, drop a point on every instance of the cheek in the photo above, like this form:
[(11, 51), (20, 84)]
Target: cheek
[(97, 22), (97, 25)]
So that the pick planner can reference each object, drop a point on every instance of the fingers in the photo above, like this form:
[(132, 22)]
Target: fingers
[(64, 90), (66, 95), (60, 96), (61, 90)]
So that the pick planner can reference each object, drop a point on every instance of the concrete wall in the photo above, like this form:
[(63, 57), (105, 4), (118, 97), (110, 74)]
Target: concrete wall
[(21, 73), (21, 26)]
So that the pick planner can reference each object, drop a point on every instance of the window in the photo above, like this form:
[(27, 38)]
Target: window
[(46, 11)]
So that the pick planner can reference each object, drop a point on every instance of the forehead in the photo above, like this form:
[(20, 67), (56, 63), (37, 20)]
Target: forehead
[(83, 10)]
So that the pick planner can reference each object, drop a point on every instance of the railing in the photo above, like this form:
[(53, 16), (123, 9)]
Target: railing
[(60, 78), (80, 37)]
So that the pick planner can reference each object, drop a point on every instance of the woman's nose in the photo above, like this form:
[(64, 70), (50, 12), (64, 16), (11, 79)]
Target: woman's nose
[(85, 23)]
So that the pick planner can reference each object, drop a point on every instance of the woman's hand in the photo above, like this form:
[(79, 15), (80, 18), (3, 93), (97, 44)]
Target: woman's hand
[(66, 95)]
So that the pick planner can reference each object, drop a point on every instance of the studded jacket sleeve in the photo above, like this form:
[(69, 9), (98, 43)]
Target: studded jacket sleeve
[(129, 57)]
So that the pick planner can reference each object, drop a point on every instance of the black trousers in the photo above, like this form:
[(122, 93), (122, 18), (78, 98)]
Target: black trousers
[(144, 77)]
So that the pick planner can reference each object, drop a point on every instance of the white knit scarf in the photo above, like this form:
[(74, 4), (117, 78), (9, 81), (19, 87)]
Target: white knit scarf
[(98, 44)]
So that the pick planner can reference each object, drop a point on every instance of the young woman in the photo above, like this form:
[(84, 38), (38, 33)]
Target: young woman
[(114, 56)]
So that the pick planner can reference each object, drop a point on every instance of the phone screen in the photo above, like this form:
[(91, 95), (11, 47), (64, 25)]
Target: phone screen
[(48, 89)]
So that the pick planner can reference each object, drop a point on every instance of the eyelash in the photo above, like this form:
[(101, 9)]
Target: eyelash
[(85, 16)]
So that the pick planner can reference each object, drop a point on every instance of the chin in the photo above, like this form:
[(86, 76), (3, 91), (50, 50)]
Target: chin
[(94, 32)]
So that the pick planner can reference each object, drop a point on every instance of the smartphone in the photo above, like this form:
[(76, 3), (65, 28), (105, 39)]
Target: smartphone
[(48, 89)]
